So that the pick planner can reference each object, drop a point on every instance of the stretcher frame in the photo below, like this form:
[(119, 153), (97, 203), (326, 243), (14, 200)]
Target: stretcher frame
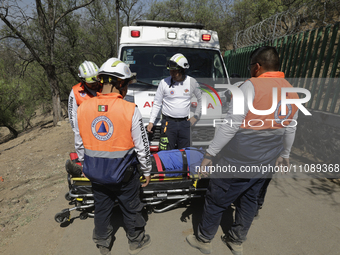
[(161, 189)]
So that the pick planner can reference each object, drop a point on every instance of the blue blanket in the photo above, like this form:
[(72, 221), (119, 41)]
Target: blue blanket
[(172, 160)]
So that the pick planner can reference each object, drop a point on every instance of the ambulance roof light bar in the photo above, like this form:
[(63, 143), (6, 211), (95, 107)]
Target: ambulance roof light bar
[(135, 33), (206, 37), (155, 23)]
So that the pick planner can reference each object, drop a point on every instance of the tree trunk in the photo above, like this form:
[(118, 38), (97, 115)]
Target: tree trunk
[(117, 27), (12, 130), (55, 92)]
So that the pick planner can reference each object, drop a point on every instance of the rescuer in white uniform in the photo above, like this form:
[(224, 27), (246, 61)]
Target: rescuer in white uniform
[(84, 90), (174, 94)]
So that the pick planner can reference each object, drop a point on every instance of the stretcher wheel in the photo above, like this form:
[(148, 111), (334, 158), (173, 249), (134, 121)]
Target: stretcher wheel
[(149, 209), (68, 197), (83, 215), (62, 216)]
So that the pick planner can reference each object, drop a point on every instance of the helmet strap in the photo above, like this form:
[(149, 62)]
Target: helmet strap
[(112, 86), (82, 83), (116, 85)]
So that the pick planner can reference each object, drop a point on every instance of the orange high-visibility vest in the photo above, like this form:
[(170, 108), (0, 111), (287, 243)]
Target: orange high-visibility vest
[(80, 93), (105, 125), (261, 142), (263, 86)]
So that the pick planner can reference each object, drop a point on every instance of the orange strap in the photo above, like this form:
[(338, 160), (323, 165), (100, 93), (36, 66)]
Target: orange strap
[(74, 158), (159, 166)]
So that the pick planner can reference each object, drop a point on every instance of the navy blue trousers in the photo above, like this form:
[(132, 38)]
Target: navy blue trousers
[(220, 194), (178, 133), (262, 193), (128, 198)]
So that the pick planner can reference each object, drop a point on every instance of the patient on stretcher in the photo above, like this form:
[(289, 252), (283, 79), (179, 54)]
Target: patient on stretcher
[(178, 161), (186, 160)]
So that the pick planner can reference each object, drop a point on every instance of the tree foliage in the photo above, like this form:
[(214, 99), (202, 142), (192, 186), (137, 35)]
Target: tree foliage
[(214, 14), (43, 47), (40, 42), (22, 91)]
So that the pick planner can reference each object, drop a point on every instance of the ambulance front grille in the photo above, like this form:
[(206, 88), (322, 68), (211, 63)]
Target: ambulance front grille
[(202, 134), (155, 136)]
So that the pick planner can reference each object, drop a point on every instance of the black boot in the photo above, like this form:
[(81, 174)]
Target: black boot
[(73, 169)]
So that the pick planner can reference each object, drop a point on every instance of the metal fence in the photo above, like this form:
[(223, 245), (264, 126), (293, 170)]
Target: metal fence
[(276, 26), (310, 55)]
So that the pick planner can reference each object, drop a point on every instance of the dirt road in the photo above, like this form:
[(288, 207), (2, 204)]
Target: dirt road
[(300, 216)]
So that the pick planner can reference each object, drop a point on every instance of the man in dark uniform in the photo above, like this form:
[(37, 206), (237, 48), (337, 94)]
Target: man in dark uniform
[(251, 141), (115, 141)]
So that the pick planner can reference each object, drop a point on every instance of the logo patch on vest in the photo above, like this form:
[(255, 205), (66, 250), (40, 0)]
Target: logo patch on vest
[(172, 92), (82, 94), (102, 128), (186, 91)]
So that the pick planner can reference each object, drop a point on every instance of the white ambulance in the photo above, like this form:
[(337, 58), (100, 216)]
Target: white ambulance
[(148, 46)]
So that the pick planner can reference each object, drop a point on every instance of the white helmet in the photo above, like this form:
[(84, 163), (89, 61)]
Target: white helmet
[(116, 68), (88, 71), (178, 61)]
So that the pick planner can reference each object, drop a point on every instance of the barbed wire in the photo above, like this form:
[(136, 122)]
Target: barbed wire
[(282, 24)]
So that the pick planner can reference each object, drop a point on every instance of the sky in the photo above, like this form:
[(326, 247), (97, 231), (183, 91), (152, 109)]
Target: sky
[(24, 3)]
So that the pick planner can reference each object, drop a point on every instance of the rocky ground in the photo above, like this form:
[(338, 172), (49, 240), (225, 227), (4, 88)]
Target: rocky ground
[(33, 181), (32, 171)]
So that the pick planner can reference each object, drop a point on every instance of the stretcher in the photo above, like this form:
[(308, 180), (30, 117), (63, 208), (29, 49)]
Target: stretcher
[(174, 180)]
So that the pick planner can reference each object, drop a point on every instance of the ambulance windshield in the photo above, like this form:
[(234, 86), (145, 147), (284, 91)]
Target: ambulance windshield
[(149, 62)]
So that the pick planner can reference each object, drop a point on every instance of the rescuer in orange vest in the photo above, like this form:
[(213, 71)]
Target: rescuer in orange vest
[(85, 89), (246, 141), (115, 141)]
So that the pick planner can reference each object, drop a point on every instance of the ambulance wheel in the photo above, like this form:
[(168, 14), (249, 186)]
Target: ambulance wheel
[(68, 197), (62, 217), (83, 215)]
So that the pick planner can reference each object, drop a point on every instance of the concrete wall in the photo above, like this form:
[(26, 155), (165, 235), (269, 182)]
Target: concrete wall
[(319, 135)]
